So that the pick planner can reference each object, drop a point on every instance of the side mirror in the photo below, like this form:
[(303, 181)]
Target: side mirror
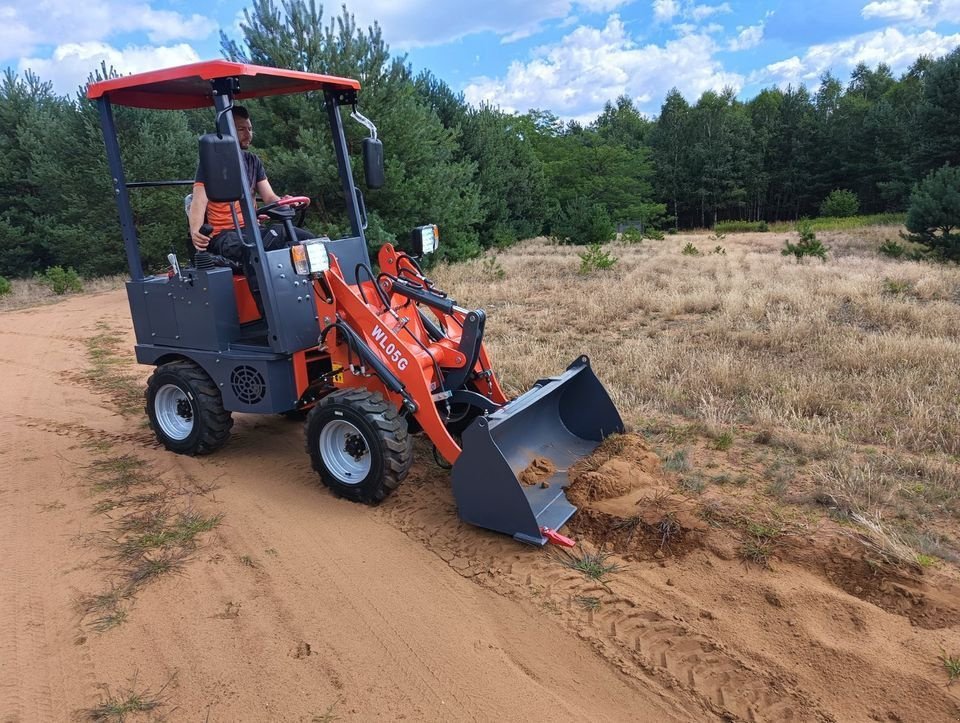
[(373, 162), (220, 170)]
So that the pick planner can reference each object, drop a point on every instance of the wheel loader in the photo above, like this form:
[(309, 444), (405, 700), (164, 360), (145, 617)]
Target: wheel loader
[(373, 355)]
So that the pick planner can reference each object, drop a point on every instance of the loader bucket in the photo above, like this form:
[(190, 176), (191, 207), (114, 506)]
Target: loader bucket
[(558, 421)]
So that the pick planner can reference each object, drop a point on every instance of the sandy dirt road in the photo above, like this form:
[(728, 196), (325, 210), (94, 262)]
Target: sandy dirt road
[(301, 607), (296, 605)]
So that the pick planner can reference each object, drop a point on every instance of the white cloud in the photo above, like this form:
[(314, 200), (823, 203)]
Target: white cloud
[(701, 12), (26, 26), (71, 64), (896, 9), (590, 66), (917, 12), (419, 23), (749, 37), (891, 46), (665, 10)]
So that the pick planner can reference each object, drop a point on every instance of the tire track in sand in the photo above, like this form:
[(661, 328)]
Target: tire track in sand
[(643, 638)]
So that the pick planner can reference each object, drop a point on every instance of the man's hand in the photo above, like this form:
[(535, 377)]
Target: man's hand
[(200, 242)]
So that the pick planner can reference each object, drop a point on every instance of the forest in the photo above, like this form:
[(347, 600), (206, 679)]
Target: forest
[(486, 177)]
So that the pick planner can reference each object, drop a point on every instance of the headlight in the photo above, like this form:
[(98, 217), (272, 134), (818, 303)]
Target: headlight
[(425, 239), (310, 256)]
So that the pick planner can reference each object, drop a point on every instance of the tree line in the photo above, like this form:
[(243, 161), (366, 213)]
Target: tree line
[(485, 176)]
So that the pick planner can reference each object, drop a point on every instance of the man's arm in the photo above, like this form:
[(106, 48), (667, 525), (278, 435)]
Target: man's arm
[(266, 191), (198, 211)]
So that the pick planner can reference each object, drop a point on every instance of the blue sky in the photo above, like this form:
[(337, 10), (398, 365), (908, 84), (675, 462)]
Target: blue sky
[(568, 56)]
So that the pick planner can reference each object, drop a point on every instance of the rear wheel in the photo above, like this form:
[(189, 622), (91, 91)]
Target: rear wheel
[(359, 445), (186, 410)]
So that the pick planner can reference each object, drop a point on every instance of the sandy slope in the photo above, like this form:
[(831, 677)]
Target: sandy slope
[(300, 603)]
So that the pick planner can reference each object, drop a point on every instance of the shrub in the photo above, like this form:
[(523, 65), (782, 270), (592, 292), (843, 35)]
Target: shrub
[(61, 280), (739, 226), (809, 244), (934, 213), (690, 250), (582, 222), (892, 249), (653, 233), (5, 287), (840, 203), (632, 235), (595, 258)]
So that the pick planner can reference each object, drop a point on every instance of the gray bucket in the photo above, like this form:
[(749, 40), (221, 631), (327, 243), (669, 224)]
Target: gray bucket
[(560, 419)]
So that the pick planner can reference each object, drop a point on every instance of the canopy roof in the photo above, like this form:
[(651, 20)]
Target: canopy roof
[(188, 86)]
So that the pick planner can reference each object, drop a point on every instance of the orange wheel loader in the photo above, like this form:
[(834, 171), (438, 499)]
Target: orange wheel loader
[(372, 355)]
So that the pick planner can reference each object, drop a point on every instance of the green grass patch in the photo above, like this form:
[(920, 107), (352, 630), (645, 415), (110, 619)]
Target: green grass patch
[(826, 223), (951, 663), (595, 565), (119, 473), (104, 373), (740, 227)]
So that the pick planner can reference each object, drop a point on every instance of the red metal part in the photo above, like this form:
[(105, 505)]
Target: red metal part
[(555, 538), (188, 86)]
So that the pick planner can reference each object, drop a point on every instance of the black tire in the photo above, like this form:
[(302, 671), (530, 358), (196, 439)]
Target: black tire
[(198, 424), (366, 437)]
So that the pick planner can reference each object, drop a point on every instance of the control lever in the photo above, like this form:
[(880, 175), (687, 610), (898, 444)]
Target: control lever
[(172, 258)]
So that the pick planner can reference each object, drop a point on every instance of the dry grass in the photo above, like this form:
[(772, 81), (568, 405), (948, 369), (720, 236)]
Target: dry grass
[(827, 363), (30, 292)]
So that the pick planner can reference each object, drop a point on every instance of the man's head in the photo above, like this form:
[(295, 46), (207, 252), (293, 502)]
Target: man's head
[(241, 119)]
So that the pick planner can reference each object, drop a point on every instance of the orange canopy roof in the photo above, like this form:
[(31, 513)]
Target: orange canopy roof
[(188, 86)]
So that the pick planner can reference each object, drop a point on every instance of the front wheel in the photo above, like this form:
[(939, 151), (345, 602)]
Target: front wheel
[(359, 445), (186, 410)]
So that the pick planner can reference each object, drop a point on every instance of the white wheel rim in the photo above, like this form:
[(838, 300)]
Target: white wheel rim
[(174, 412), (345, 452)]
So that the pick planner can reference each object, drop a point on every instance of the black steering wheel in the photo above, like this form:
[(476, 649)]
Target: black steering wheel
[(284, 208)]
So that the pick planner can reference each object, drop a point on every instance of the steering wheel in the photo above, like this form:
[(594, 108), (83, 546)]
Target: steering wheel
[(284, 208)]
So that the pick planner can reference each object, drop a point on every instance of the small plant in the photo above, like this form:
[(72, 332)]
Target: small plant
[(61, 280), (654, 234), (690, 250), (892, 249), (128, 701), (951, 664), (809, 244), (897, 287), (492, 268), (247, 560), (669, 529), (588, 602), (5, 286), (328, 716), (632, 235), (693, 483), (756, 550), (724, 441), (677, 462), (595, 258), (592, 564), (719, 250)]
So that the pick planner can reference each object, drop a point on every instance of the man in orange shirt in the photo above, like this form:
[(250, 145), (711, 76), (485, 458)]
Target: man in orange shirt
[(224, 239)]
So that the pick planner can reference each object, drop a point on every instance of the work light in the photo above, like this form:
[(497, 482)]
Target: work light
[(425, 239), (310, 256)]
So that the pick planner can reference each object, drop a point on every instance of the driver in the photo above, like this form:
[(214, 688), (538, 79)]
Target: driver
[(224, 239)]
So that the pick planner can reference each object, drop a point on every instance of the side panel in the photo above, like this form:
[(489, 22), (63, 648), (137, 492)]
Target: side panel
[(198, 311), (293, 298), (257, 383)]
